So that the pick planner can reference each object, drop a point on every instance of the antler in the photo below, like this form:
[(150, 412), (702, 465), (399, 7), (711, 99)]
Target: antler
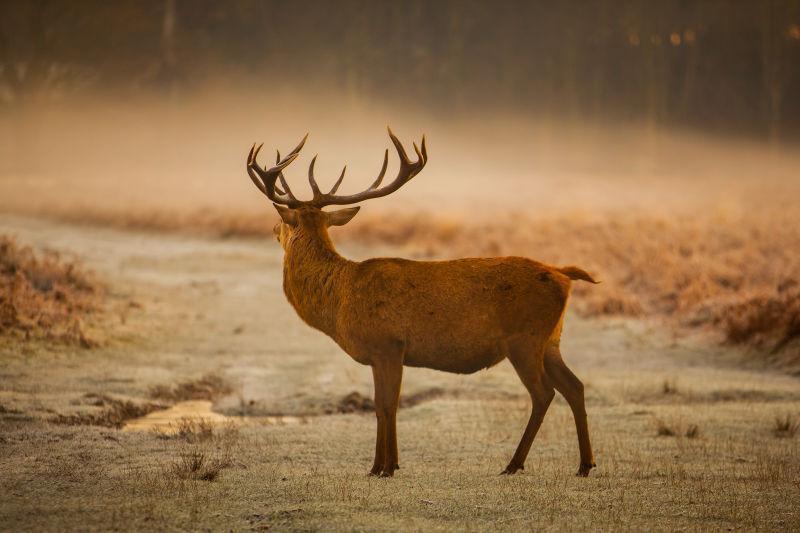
[(408, 169), (265, 178)]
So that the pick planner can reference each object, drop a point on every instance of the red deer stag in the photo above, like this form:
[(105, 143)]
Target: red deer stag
[(457, 316)]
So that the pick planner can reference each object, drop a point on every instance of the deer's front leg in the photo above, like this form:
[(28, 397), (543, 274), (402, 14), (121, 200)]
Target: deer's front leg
[(380, 438), (388, 376)]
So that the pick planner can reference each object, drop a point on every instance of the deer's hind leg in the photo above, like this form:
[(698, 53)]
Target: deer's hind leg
[(571, 388), (527, 359)]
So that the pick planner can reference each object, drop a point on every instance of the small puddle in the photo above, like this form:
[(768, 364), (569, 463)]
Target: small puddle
[(168, 421)]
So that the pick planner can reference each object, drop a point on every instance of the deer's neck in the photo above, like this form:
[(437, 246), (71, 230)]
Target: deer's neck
[(313, 275)]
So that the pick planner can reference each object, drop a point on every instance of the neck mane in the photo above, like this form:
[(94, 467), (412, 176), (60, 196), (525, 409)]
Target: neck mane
[(312, 275)]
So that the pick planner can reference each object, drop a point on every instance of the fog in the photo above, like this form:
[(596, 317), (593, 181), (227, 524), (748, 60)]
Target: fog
[(152, 106), (189, 154)]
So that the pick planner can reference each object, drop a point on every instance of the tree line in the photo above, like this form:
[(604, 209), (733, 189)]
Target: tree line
[(717, 65)]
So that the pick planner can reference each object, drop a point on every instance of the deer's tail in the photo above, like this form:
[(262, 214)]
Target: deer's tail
[(573, 272)]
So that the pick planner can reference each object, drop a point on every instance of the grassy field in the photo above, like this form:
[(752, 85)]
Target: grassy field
[(686, 435)]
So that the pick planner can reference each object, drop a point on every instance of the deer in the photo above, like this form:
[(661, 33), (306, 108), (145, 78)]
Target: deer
[(457, 316)]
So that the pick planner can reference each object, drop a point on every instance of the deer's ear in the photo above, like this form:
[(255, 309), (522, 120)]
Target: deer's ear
[(289, 216), (341, 217)]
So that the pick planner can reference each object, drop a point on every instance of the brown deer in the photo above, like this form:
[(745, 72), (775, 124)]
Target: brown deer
[(457, 316)]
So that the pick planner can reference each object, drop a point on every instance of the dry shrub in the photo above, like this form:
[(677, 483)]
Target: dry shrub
[(763, 319), (786, 426), (355, 402), (194, 429), (199, 465), (669, 387), (44, 296), (114, 413), (207, 387), (665, 430), (676, 428)]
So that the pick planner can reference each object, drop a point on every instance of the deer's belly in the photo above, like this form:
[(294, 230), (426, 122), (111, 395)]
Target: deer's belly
[(457, 358)]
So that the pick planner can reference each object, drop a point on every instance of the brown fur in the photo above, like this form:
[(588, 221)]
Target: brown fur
[(457, 316)]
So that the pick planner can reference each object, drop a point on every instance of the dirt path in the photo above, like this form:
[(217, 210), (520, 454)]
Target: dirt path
[(211, 307)]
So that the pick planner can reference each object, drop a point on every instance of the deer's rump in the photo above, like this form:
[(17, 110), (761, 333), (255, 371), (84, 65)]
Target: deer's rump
[(452, 315)]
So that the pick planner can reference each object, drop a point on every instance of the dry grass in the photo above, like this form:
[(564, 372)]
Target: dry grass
[(355, 402), (45, 296), (692, 432), (112, 412), (663, 429), (732, 275), (206, 387), (669, 387), (676, 428), (786, 426), (199, 465), (197, 429)]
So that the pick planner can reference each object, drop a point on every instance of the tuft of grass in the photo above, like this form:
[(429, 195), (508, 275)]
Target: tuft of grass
[(355, 402), (206, 387), (693, 431), (665, 430), (44, 296), (786, 426), (669, 387), (197, 429), (199, 465)]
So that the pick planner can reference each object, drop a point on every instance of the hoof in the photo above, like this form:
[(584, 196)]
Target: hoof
[(512, 469), (375, 471), (385, 471), (584, 468)]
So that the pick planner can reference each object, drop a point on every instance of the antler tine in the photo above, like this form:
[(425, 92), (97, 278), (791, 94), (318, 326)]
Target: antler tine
[(265, 178), (379, 179), (299, 146), (407, 170), (278, 160), (338, 182), (285, 186), (253, 176), (284, 183), (399, 146), (312, 181)]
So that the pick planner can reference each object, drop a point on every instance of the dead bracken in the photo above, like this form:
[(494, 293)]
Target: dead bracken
[(708, 272), (44, 296), (206, 387)]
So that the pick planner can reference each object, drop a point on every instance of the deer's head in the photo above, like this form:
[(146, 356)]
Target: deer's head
[(298, 216)]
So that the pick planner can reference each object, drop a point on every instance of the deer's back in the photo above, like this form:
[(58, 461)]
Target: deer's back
[(450, 315)]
